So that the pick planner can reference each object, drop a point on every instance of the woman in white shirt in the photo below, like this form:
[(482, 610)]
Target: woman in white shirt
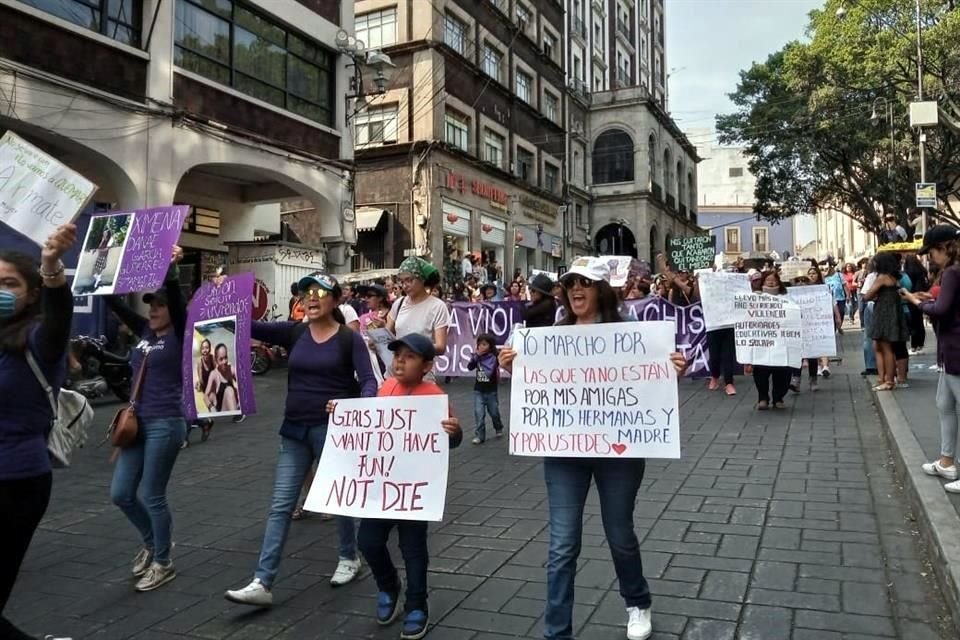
[(417, 311)]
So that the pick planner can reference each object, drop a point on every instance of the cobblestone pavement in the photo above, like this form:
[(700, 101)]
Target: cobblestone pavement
[(778, 525)]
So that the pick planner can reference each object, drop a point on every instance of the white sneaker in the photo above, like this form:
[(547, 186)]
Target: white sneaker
[(156, 576), (639, 624), (936, 469), (952, 487), (477, 441), (141, 562), (346, 571), (254, 594)]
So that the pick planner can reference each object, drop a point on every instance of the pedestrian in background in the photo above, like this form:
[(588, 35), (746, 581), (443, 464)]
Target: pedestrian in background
[(889, 323), (920, 283), (486, 397), (145, 466), (542, 310), (36, 309), (763, 375)]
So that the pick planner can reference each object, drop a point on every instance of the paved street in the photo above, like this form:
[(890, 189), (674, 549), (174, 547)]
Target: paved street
[(772, 526)]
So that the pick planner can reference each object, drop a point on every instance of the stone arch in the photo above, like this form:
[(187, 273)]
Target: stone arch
[(613, 157)]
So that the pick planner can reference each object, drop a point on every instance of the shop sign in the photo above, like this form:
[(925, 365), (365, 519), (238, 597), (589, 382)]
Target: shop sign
[(479, 188), (538, 209), (555, 250)]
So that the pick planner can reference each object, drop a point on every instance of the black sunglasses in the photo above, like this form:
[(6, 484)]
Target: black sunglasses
[(572, 281)]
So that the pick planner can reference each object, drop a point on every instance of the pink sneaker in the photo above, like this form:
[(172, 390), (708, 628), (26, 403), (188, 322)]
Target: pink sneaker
[(730, 390), (713, 384)]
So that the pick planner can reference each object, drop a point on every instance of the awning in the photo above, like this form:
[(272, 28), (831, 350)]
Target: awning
[(368, 218)]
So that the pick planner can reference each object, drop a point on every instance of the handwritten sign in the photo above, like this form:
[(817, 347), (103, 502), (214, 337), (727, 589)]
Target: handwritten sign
[(717, 290), (769, 330), (816, 315), (384, 458), (37, 193), (595, 391), (234, 297), (619, 269), (794, 269), (692, 253)]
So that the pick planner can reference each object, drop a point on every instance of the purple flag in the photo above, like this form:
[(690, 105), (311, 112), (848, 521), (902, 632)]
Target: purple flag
[(216, 355)]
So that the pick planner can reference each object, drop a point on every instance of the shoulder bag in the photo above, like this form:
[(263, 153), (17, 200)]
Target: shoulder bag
[(72, 415), (124, 428)]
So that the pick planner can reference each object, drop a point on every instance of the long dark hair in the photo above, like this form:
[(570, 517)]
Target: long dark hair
[(608, 306), (887, 263), (15, 331)]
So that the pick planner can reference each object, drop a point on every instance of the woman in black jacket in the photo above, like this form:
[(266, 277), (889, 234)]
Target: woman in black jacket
[(542, 310)]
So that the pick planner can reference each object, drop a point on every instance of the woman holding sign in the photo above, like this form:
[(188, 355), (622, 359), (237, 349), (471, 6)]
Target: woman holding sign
[(147, 464), (588, 298), (327, 361), (36, 309), (763, 375)]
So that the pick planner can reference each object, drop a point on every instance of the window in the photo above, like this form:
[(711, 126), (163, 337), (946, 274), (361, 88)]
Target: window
[(613, 157), (732, 239), (760, 239), (549, 44), (551, 106), (736, 172), (457, 130), (116, 19), (577, 168), (525, 165), (579, 215), (203, 221), (492, 62), (375, 126), (377, 29), (493, 148), (551, 178), (524, 17), (226, 43), (577, 73), (455, 34), (524, 83)]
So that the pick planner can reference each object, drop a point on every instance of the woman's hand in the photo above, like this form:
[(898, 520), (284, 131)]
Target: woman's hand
[(56, 245), (451, 426), (679, 362), (331, 406), (176, 254), (506, 358)]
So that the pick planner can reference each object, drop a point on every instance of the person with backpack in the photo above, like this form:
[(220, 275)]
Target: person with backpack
[(327, 361), (418, 311), (36, 309)]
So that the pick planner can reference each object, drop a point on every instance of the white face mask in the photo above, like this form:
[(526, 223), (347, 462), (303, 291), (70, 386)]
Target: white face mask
[(771, 290)]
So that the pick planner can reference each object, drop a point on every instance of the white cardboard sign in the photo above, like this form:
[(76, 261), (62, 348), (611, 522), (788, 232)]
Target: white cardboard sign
[(384, 458), (37, 193), (768, 332), (816, 312), (717, 289), (595, 391)]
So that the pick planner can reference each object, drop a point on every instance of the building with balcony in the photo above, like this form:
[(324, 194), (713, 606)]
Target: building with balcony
[(464, 152), (230, 106)]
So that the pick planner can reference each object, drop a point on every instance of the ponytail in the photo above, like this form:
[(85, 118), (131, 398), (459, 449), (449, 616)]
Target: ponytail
[(338, 315)]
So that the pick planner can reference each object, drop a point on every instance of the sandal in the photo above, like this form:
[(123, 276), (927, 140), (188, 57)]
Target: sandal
[(884, 387)]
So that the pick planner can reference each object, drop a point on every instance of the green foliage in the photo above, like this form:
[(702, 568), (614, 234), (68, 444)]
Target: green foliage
[(804, 114)]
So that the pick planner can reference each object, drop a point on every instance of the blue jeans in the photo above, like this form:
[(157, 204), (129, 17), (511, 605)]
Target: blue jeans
[(485, 402), (568, 481), (412, 535), (296, 458), (147, 465), (866, 321)]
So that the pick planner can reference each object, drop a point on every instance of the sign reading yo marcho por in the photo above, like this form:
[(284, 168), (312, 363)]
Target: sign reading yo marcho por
[(692, 253), (595, 391), (37, 193)]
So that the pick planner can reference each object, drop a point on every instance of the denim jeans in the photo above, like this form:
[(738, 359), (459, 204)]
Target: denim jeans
[(412, 535), (866, 321), (568, 481), (485, 402), (296, 458), (146, 465), (948, 410)]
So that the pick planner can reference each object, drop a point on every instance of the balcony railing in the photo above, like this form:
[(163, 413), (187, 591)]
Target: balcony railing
[(579, 29)]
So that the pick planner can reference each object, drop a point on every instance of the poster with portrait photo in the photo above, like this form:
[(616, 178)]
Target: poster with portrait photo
[(102, 255), (216, 384)]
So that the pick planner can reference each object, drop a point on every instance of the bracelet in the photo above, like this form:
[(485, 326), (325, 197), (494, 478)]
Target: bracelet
[(59, 271)]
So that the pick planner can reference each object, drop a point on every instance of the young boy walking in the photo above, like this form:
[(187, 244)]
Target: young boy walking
[(486, 398), (413, 357)]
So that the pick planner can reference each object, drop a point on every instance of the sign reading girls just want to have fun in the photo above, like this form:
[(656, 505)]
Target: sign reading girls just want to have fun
[(595, 391)]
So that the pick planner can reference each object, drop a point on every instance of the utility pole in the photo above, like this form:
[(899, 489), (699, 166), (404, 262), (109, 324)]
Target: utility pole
[(923, 136)]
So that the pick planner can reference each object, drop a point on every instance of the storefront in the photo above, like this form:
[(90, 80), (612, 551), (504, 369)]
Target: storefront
[(456, 238), (493, 236)]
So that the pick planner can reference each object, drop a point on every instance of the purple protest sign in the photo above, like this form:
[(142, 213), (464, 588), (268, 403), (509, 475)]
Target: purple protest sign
[(216, 366), (467, 321), (128, 251), (691, 330)]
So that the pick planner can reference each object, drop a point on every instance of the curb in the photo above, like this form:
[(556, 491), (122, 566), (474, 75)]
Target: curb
[(939, 521)]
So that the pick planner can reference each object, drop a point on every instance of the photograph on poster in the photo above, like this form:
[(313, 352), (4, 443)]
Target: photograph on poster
[(102, 255), (216, 388)]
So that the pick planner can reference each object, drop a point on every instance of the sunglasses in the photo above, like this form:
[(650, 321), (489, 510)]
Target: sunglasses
[(573, 281), (316, 292)]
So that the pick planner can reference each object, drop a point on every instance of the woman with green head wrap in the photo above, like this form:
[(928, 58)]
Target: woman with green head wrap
[(417, 311)]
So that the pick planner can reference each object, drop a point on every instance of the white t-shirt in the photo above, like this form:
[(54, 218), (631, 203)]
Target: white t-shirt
[(423, 317), (868, 283), (349, 313)]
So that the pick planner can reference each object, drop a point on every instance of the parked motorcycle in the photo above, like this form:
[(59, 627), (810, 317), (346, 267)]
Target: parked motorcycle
[(95, 372)]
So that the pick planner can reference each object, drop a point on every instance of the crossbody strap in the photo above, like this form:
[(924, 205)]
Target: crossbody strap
[(135, 391), (42, 379)]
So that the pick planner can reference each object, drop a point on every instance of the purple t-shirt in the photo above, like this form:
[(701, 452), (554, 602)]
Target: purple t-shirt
[(162, 383)]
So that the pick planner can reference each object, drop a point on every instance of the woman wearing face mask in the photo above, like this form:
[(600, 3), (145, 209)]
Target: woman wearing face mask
[(147, 464), (417, 311), (762, 375), (36, 309), (588, 298), (327, 361)]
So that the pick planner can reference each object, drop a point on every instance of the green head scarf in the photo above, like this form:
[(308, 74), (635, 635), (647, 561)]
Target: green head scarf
[(417, 267)]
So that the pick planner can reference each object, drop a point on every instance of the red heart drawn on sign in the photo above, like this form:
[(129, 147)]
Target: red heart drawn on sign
[(619, 448)]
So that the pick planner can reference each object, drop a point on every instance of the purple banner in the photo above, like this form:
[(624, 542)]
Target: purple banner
[(146, 249), (468, 320), (216, 357)]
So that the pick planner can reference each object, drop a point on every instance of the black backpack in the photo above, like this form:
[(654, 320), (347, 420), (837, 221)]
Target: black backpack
[(345, 342)]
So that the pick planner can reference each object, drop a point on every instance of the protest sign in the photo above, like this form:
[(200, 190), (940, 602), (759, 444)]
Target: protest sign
[(768, 331), (216, 386), (595, 391), (619, 269), (384, 458), (219, 311), (793, 269), (128, 251), (692, 253), (37, 193), (816, 315), (467, 321), (717, 290), (381, 340)]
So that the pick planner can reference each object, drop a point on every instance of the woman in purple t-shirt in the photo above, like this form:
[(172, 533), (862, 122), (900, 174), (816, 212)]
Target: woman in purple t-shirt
[(147, 464)]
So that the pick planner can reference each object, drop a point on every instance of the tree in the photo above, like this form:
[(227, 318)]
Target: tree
[(804, 115)]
